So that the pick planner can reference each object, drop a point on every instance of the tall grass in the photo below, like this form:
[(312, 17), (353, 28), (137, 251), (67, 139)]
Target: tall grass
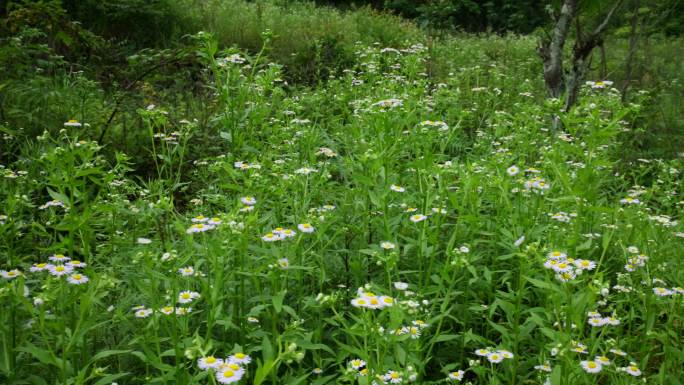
[(380, 226)]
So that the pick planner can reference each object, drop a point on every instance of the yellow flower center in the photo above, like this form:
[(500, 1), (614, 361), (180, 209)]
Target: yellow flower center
[(59, 268), (239, 355), (210, 360), (228, 374)]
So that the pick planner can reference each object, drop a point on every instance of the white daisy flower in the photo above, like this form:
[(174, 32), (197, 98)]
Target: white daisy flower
[(272, 237), (457, 375), (596, 321), (143, 313), (482, 352), (168, 310), (209, 362), (662, 292), (59, 258), (591, 366), (228, 375), (283, 263), (199, 219), (417, 218), (513, 170), (387, 245), (603, 360), (632, 370), (240, 358), (72, 123), (39, 267), (60, 270), (357, 363), (77, 279), (187, 296), (495, 357), (585, 264), (519, 241), (306, 228), (199, 228), (10, 274), (248, 200), (76, 263), (393, 377)]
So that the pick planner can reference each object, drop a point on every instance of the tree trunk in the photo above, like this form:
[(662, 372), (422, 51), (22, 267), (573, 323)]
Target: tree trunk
[(581, 57), (551, 50), (633, 36), (581, 60), (603, 70)]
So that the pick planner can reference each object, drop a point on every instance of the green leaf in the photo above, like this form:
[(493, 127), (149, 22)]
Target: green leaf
[(108, 379), (277, 301), (312, 346), (297, 381), (538, 283), (107, 353), (401, 355), (444, 338), (57, 196), (262, 371), (323, 380), (226, 135), (556, 375), (41, 355)]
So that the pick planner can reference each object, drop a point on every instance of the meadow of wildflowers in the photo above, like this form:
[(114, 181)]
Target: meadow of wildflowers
[(376, 229)]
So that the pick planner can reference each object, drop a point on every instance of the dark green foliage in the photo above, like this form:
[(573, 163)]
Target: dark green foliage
[(521, 16), (143, 23)]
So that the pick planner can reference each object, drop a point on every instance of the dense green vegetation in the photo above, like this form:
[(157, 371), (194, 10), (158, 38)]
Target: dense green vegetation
[(279, 192)]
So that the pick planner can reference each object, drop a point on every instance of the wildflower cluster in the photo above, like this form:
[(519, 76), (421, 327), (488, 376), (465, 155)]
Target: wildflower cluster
[(228, 370), (368, 300), (566, 268)]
